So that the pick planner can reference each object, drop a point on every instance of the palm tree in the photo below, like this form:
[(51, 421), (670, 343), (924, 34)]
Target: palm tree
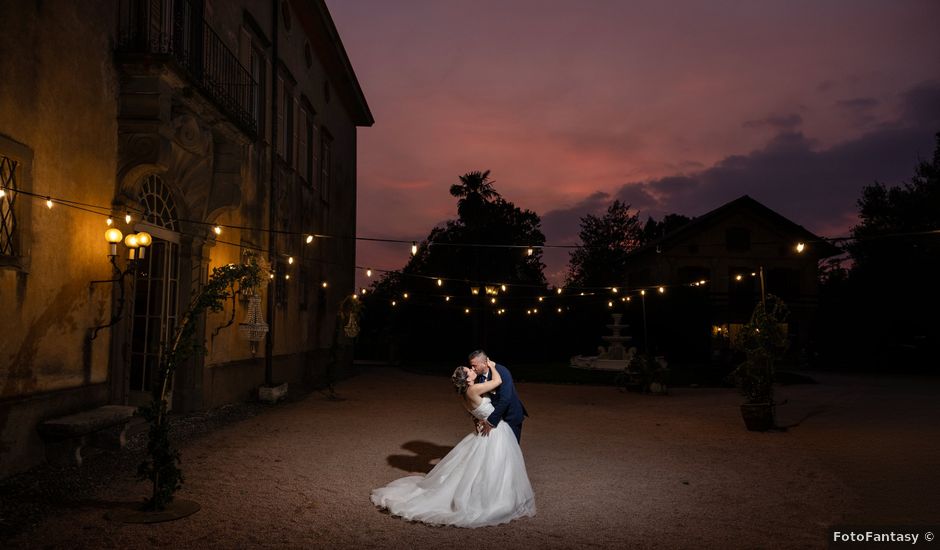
[(474, 190)]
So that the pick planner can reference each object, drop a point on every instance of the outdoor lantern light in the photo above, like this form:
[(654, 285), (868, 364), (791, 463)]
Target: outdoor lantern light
[(113, 236), (143, 241), (474, 290), (130, 242)]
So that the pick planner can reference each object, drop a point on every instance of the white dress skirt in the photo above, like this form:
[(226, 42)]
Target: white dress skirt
[(482, 481)]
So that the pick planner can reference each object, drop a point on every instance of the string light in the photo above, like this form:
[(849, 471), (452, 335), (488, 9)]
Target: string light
[(466, 310), (3, 192), (440, 282), (414, 247), (287, 276), (127, 217), (800, 247), (290, 260), (662, 290), (217, 229), (49, 203), (405, 295), (446, 298), (614, 290), (541, 298), (529, 252), (738, 277), (309, 239), (502, 287), (559, 310), (558, 290), (610, 304), (642, 293), (492, 300), (394, 303), (109, 221), (324, 284), (369, 272), (355, 296)]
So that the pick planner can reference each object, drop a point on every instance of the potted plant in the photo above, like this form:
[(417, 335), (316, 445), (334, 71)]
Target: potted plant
[(763, 341)]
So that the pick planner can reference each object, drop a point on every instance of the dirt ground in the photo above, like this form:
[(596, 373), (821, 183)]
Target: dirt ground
[(609, 469)]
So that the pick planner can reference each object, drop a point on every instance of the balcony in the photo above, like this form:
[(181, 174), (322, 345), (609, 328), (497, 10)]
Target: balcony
[(175, 31)]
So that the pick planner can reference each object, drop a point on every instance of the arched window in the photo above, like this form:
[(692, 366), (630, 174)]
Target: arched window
[(158, 203)]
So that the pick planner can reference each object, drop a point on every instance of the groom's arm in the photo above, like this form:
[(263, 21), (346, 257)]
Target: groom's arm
[(505, 390)]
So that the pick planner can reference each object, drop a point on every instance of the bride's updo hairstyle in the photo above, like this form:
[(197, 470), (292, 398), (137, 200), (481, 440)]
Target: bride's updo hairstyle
[(460, 380)]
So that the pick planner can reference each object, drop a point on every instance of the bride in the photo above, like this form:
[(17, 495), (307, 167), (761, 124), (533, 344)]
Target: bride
[(482, 481)]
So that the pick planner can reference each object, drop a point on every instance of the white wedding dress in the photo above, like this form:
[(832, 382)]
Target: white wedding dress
[(482, 481)]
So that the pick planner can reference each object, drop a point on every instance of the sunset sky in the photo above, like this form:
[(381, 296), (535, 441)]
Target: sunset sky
[(675, 106)]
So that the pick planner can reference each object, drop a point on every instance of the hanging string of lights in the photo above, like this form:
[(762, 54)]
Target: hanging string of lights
[(475, 286)]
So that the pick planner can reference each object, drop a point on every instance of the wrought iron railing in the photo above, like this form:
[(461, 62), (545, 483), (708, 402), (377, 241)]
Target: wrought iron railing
[(173, 28)]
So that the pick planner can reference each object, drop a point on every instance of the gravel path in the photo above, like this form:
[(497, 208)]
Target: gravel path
[(609, 469)]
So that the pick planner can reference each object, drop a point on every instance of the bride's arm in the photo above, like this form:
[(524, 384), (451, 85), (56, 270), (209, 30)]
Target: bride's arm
[(480, 389)]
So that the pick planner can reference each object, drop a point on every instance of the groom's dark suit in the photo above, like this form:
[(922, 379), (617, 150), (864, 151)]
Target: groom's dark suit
[(508, 407)]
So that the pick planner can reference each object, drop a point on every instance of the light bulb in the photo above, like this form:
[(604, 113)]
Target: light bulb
[(394, 303), (466, 310), (130, 241), (217, 229), (662, 290), (541, 298), (113, 235), (558, 290), (127, 218), (368, 273), (642, 293), (530, 252), (800, 247), (287, 276), (405, 295), (492, 300), (309, 239), (610, 304), (323, 284), (502, 287), (614, 290), (109, 221), (2, 192), (559, 310), (446, 298), (414, 248), (290, 260), (440, 282), (144, 239), (48, 203)]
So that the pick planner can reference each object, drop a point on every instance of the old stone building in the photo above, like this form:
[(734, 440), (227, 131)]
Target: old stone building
[(218, 128)]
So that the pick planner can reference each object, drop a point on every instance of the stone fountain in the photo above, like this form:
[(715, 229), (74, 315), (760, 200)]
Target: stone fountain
[(615, 356)]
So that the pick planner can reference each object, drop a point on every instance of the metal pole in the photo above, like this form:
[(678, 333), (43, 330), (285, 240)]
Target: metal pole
[(763, 302), (646, 346), (272, 211)]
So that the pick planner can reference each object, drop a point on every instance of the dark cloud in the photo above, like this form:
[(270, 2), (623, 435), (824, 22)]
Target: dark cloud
[(858, 103), (780, 122), (815, 187), (561, 226)]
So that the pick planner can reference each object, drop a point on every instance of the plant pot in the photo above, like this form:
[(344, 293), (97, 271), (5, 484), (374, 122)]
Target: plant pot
[(758, 417)]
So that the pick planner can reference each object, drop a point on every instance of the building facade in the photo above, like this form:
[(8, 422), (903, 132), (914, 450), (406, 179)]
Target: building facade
[(731, 255), (220, 128)]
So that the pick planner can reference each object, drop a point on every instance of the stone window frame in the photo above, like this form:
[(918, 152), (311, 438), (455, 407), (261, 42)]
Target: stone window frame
[(22, 155)]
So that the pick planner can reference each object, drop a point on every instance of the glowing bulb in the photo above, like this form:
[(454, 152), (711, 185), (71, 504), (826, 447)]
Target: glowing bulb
[(624, 299), (530, 252), (287, 276), (440, 282), (217, 229), (48, 203), (753, 274), (737, 277), (492, 300), (702, 282), (127, 217), (271, 276), (466, 310), (662, 290), (558, 290), (414, 248), (144, 239), (2, 192), (502, 287), (368, 273), (355, 296), (582, 294), (324, 284), (559, 310), (394, 303), (405, 295), (309, 239), (800, 247), (535, 310), (628, 298), (113, 235), (541, 298), (108, 221), (290, 260), (642, 293), (364, 290), (614, 290), (446, 298), (610, 304), (528, 312), (130, 241)]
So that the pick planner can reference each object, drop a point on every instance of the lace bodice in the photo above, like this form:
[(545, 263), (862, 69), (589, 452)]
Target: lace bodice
[(484, 410)]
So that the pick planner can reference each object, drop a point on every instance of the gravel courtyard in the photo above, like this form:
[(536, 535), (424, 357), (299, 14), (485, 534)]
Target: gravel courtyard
[(609, 469)]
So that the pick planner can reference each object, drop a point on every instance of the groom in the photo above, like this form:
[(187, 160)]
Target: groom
[(505, 400)]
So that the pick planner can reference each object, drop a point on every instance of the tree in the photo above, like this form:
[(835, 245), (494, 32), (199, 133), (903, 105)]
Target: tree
[(601, 258), (653, 229), (896, 263), (474, 191)]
